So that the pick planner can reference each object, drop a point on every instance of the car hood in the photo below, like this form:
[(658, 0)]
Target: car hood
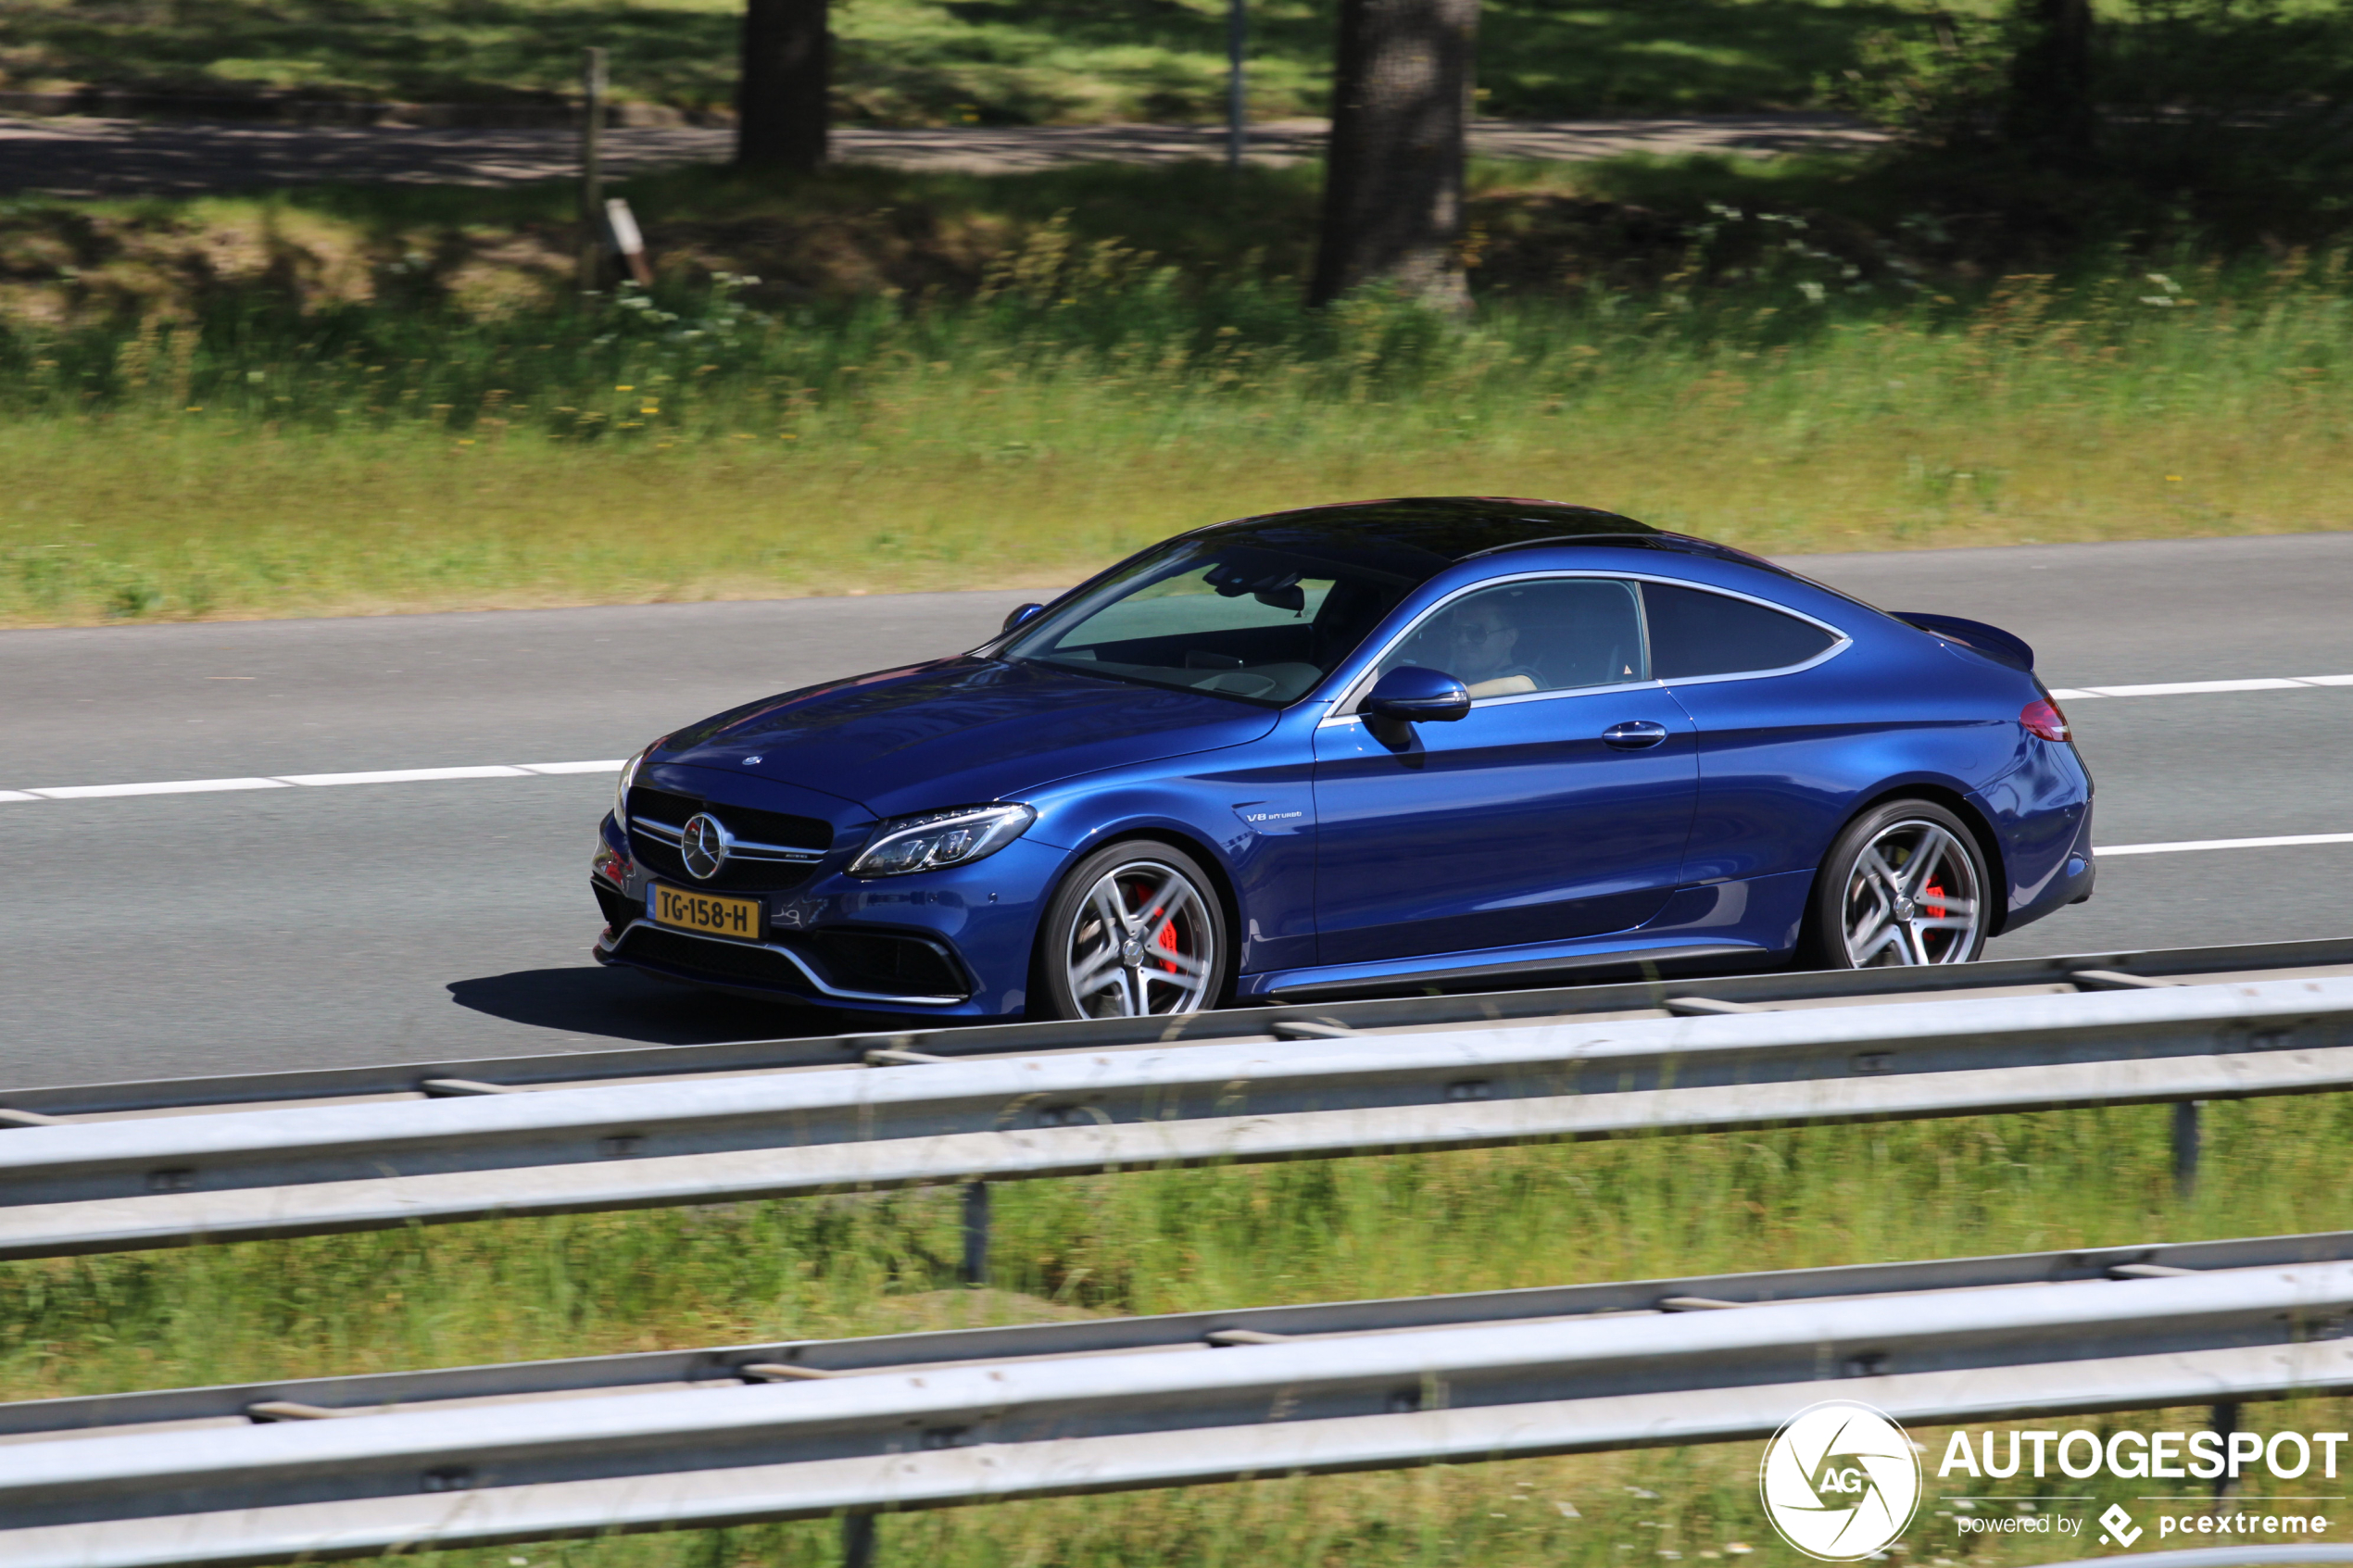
[(959, 732)]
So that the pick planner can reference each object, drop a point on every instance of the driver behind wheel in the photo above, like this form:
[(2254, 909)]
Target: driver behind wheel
[(1481, 641)]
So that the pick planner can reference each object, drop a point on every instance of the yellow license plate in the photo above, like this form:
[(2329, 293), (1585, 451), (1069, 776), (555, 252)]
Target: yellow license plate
[(713, 914)]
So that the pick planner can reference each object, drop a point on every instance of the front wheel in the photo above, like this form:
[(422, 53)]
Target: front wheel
[(1135, 928), (1905, 884)]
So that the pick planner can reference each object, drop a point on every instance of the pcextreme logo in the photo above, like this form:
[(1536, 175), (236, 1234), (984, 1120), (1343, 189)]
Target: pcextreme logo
[(1840, 1481)]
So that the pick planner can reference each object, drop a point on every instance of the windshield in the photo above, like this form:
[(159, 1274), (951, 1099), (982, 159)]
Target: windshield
[(1258, 624)]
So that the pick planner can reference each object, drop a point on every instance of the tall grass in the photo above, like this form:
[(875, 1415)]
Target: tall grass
[(687, 445), (1168, 1240)]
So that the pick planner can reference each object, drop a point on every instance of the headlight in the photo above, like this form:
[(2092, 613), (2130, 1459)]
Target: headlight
[(940, 838), (628, 777)]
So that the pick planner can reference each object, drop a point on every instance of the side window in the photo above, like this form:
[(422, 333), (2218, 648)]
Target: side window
[(1696, 633), (1545, 635)]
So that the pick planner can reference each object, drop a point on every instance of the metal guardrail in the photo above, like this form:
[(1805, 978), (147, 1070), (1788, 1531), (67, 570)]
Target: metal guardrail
[(155, 1181), (351, 1466), (1363, 1386), (235, 1405), (32, 1106)]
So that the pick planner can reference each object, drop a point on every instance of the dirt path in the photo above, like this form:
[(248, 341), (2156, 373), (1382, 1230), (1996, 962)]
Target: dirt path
[(84, 157)]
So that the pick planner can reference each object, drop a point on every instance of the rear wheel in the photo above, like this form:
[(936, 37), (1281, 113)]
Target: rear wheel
[(1135, 928), (1904, 885)]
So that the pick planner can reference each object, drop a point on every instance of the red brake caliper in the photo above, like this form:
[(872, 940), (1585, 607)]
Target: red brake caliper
[(1932, 900), (1166, 940)]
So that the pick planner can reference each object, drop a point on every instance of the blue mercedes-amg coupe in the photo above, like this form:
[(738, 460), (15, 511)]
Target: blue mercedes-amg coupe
[(1401, 745)]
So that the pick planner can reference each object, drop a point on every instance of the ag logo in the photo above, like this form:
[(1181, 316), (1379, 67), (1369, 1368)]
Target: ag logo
[(1840, 1481)]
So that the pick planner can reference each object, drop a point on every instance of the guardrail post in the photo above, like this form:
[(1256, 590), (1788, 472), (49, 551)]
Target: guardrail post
[(2186, 1147), (976, 1233), (857, 1540), (2225, 1419)]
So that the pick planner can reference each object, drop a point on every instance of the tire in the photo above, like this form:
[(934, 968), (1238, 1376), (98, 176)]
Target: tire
[(1135, 928), (1904, 884)]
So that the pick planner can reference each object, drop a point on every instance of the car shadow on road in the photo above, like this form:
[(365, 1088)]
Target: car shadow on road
[(625, 1005)]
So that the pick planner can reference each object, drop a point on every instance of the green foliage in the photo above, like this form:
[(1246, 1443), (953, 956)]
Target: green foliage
[(2223, 121), (1782, 383), (1924, 69), (696, 359), (360, 400), (933, 62), (1932, 79), (1540, 59)]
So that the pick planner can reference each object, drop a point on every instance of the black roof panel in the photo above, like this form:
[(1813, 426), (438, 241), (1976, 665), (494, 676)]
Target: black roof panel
[(1415, 537), (1446, 527)]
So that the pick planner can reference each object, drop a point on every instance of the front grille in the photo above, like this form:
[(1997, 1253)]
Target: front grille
[(872, 961), (738, 876), (744, 822), (878, 963)]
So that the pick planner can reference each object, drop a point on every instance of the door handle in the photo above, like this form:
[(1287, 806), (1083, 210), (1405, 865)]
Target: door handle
[(1635, 734)]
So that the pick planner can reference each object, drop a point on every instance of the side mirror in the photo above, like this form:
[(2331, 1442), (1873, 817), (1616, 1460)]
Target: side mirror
[(1019, 614), (1415, 695)]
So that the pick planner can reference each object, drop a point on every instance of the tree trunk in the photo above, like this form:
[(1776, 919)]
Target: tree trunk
[(2051, 109), (1393, 176), (781, 109)]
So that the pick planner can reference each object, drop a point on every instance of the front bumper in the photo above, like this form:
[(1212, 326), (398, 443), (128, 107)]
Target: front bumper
[(951, 944)]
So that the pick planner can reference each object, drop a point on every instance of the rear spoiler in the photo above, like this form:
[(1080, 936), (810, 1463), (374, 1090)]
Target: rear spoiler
[(1993, 642)]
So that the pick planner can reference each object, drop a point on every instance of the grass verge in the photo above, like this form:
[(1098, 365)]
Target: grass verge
[(348, 401), (1159, 1241), (360, 463)]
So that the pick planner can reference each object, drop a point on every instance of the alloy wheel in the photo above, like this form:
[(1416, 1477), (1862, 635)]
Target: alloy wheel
[(1142, 942), (1912, 898)]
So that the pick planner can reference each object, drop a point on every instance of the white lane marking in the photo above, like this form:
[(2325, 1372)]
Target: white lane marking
[(173, 786), (2196, 688), (402, 775), (315, 781), (2183, 846)]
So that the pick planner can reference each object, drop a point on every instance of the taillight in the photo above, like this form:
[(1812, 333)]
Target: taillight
[(2041, 716)]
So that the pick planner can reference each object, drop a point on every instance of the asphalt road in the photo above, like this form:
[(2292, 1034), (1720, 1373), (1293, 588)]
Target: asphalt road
[(193, 933)]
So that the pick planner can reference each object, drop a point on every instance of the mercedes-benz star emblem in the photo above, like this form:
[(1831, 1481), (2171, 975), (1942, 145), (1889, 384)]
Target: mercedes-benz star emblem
[(703, 845)]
